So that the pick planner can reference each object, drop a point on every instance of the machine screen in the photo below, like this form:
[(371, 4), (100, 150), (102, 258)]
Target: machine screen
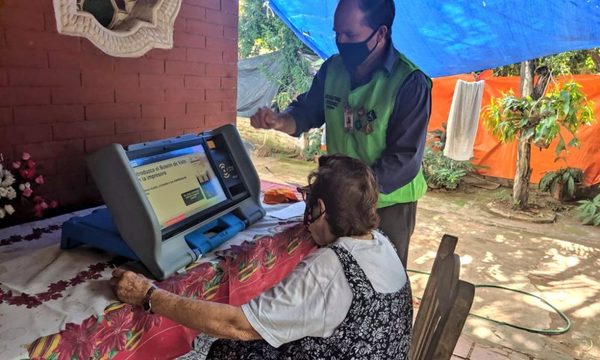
[(179, 183)]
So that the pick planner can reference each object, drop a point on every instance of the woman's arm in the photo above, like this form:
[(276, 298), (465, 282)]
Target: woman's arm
[(214, 319)]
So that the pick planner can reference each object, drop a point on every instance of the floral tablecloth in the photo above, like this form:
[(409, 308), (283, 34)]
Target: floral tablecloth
[(57, 304)]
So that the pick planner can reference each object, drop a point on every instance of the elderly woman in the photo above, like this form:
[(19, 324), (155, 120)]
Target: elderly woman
[(350, 298)]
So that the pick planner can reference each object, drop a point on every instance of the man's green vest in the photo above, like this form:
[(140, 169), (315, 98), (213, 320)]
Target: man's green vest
[(372, 105)]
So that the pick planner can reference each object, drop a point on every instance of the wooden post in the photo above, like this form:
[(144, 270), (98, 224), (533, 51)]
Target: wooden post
[(523, 173)]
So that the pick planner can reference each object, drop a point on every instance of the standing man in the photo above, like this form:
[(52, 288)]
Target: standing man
[(375, 104)]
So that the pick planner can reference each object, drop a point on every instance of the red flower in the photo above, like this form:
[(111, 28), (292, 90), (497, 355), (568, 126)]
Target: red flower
[(30, 164), (78, 340), (113, 334), (27, 174), (144, 321)]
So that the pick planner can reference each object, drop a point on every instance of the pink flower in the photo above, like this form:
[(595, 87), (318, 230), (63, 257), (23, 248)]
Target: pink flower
[(38, 199), (28, 174), (26, 156), (77, 341), (39, 180), (44, 205), (27, 192), (16, 164), (53, 204)]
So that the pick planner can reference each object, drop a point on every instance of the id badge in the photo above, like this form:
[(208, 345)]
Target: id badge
[(348, 118)]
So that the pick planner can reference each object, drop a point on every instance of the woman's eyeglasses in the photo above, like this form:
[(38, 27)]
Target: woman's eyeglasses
[(308, 218)]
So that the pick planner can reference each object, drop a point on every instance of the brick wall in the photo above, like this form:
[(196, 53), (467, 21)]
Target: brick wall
[(62, 98)]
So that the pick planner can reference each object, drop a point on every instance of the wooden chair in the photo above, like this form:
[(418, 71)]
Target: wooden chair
[(444, 308)]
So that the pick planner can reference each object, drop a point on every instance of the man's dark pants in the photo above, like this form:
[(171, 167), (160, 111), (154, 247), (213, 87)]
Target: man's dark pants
[(398, 223)]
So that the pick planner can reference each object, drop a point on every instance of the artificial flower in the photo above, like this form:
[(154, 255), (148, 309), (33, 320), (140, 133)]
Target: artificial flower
[(53, 204), (12, 194), (9, 209), (16, 164), (39, 180), (2, 213), (44, 205), (21, 187), (8, 180), (27, 192), (27, 174), (3, 192), (26, 156)]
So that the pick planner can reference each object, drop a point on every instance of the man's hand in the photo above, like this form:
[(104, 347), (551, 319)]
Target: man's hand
[(129, 286), (265, 118)]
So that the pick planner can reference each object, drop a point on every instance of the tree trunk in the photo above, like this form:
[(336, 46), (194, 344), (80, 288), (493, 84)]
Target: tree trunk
[(523, 174)]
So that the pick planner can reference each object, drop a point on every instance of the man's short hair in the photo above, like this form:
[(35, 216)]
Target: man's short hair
[(348, 188), (378, 12)]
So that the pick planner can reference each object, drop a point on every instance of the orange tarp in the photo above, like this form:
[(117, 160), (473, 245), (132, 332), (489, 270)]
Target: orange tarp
[(499, 160)]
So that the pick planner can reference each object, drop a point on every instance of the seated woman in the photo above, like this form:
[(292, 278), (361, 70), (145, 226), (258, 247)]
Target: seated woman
[(350, 298)]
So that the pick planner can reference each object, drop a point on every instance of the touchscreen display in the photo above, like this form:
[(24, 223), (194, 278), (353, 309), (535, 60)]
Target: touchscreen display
[(178, 183)]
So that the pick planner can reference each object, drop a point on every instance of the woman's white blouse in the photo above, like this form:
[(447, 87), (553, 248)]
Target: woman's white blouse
[(315, 297)]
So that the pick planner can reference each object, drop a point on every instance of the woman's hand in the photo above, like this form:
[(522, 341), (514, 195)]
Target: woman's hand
[(129, 286)]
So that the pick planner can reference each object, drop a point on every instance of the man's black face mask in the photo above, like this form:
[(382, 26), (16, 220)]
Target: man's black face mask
[(354, 54)]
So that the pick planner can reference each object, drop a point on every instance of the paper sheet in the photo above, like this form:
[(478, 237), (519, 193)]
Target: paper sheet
[(293, 210)]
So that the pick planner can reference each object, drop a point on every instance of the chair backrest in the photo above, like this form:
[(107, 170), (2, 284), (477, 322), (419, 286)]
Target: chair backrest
[(444, 308)]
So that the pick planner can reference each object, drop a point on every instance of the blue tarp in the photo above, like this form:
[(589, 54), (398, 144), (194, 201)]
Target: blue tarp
[(454, 37)]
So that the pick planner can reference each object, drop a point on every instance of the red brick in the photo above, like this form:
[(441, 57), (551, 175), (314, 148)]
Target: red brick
[(228, 83), (161, 81), (191, 12), (156, 110), (221, 94), (184, 68), (195, 130), (229, 106), (134, 125), (17, 96), (177, 53), (3, 77), (88, 48), (43, 77), (50, 22), (83, 129), (203, 108), (230, 6), (36, 5), (183, 40), (27, 134), (46, 114), (202, 82), (23, 57), (81, 95), (6, 116), (184, 95), (221, 44), (225, 70), (2, 38), (112, 111), (140, 66), (214, 121), (183, 122), (95, 143), (54, 149), (21, 19), (218, 17), (68, 60), (41, 40), (230, 32), (160, 134), (179, 25), (211, 4), (137, 95), (72, 180), (204, 56), (104, 79), (203, 28), (230, 57)]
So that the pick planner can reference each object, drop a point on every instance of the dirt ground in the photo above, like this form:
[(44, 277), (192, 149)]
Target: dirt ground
[(559, 262)]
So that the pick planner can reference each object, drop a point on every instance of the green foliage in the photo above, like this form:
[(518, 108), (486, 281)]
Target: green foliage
[(443, 172), (260, 32), (540, 120), (563, 180), (566, 63), (312, 146), (589, 211)]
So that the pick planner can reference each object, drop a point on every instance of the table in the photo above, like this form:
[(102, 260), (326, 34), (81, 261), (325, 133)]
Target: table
[(56, 304)]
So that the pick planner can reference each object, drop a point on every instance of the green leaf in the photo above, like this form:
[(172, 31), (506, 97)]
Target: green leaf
[(571, 187), (597, 220)]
